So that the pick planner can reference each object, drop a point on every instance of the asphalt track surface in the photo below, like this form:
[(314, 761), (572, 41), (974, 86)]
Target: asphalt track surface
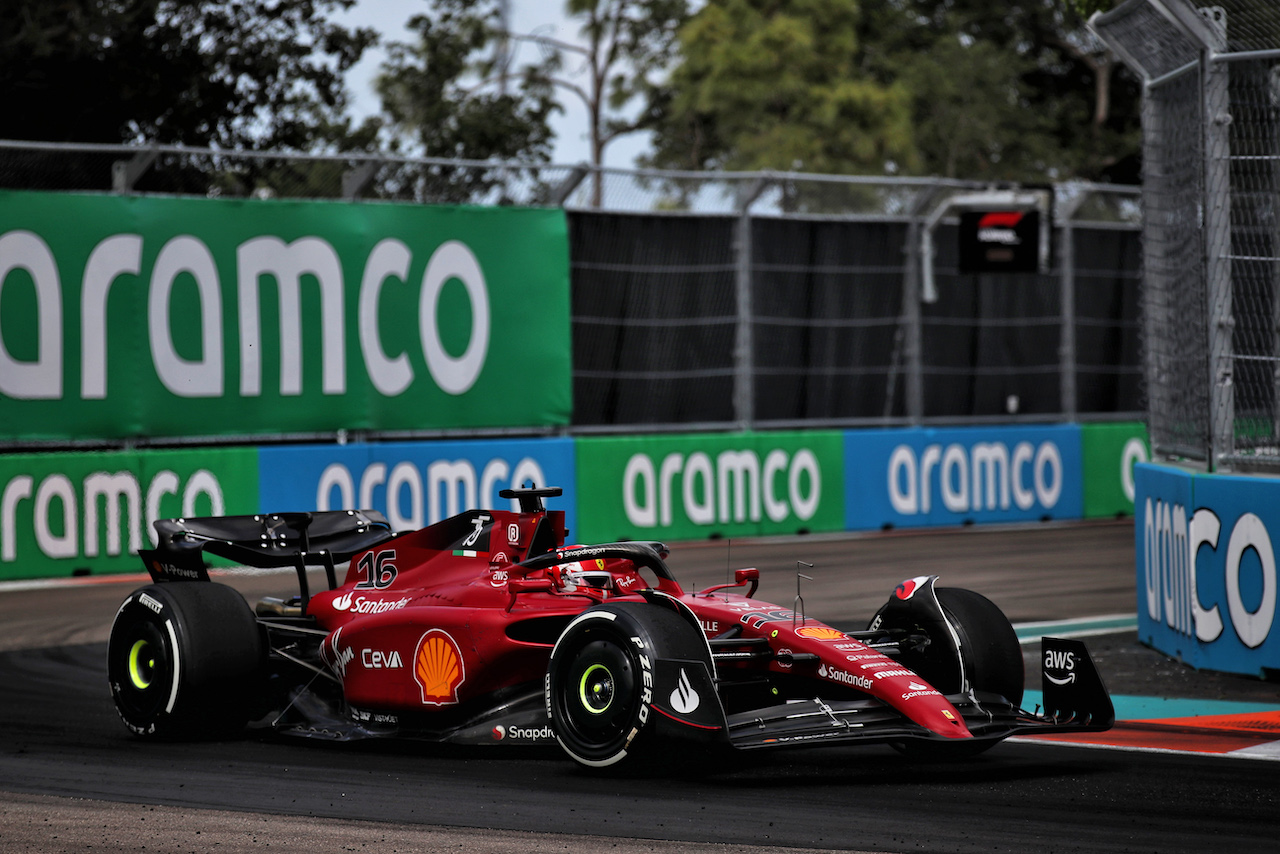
[(72, 779)]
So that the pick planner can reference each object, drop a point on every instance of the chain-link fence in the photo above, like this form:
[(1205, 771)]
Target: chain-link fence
[(1211, 247), (757, 300)]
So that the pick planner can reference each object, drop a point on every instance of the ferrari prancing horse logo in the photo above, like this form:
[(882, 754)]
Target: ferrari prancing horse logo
[(438, 668)]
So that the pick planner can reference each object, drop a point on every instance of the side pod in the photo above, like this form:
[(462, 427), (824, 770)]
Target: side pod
[(1074, 693)]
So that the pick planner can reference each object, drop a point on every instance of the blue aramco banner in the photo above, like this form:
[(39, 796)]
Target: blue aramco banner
[(1206, 567), (920, 477), (415, 484)]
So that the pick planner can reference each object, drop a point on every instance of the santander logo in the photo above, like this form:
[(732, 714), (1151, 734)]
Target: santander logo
[(684, 699)]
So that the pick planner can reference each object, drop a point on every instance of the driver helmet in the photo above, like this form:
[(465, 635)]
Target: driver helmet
[(590, 573)]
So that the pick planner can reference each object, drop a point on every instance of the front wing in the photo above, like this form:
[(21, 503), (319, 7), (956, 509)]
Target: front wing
[(1075, 700)]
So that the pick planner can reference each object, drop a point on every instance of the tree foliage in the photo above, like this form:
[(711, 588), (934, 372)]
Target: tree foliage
[(1044, 97), (774, 84), (630, 45), (1085, 8), (232, 74), (958, 88), (445, 94), (462, 88)]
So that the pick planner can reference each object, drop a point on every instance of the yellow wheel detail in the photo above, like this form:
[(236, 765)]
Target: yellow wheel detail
[(596, 689), (141, 665)]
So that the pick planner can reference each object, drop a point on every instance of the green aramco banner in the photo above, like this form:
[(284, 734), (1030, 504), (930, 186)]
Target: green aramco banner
[(127, 316), (701, 485), (90, 512)]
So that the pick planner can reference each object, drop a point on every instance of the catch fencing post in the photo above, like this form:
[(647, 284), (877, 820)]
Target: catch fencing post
[(1067, 294), (743, 344), (908, 336), (354, 181), (560, 192), (1212, 31), (125, 173)]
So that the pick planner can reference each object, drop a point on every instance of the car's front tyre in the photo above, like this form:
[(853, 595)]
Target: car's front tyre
[(990, 659), (601, 679)]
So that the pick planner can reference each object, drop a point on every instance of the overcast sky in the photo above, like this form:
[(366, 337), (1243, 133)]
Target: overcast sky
[(542, 17)]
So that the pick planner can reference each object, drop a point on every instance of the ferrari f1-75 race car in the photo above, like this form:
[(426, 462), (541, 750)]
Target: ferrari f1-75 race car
[(485, 628)]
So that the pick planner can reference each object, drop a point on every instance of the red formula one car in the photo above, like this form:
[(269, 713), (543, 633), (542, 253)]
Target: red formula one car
[(486, 628)]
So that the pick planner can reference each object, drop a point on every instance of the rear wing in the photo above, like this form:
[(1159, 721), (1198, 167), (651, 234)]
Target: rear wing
[(298, 540)]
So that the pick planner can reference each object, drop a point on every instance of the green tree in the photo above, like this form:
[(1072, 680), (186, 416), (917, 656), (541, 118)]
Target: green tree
[(629, 46), (958, 88), (1085, 8), (775, 84), (1018, 92), (459, 91), (445, 95), (232, 74)]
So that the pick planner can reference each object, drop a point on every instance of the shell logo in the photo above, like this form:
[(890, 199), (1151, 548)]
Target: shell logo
[(820, 633), (438, 668)]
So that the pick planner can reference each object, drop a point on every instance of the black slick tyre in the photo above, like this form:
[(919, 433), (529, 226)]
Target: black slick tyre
[(182, 659), (601, 677), (989, 646), (992, 659)]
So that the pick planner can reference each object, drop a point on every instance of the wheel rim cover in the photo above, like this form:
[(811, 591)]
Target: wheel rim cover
[(596, 689), (141, 665)]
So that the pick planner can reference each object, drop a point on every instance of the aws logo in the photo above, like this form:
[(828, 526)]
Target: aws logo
[(1061, 661), (438, 668)]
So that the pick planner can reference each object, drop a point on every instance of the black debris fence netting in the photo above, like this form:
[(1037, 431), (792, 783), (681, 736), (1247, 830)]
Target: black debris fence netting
[(712, 300), (58, 168), (1108, 322), (659, 335), (654, 319), (992, 343), (827, 301)]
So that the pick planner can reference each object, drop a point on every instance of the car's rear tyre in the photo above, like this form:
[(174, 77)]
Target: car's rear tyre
[(181, 660), (600, 679)]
